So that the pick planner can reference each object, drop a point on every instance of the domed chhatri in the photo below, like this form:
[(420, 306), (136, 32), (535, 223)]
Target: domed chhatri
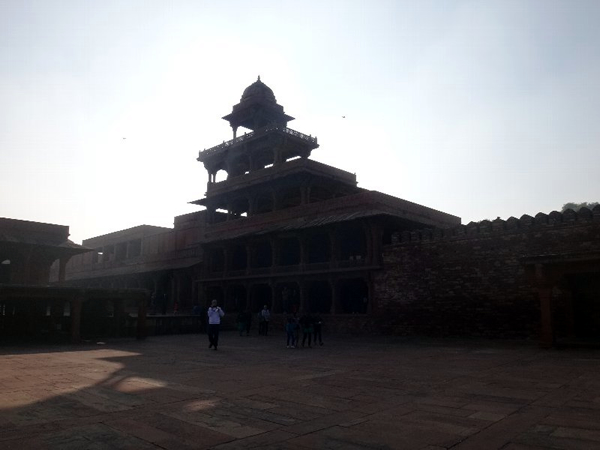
[(258, 91), (257, 108)]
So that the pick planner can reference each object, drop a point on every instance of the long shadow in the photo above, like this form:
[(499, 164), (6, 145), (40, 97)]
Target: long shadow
[(122, 393)]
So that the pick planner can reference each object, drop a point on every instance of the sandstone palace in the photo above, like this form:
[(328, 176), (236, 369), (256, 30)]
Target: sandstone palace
[(300, 236)]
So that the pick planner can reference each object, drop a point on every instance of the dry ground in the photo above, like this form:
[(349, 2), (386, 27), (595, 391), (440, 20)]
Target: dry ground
[(173, 392)]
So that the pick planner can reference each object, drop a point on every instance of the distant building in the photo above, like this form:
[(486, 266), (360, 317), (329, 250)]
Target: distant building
[(29, 305)]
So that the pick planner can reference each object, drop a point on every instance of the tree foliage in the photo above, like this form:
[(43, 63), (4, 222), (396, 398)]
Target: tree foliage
[(577, 206)]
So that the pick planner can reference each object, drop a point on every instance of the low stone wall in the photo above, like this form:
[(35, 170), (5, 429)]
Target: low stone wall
[(468, 280)]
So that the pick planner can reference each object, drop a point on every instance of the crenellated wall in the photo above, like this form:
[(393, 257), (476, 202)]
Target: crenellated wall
[(468, 280)]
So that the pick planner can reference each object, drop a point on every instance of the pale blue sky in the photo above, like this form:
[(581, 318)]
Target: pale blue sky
[(477, 108)]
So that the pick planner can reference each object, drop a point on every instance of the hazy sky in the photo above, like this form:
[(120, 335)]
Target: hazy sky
[(476, 108)]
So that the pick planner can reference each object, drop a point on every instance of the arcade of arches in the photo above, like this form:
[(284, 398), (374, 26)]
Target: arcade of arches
[(325, 271), (329, 295)]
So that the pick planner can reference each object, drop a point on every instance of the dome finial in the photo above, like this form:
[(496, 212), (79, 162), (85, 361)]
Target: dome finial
[(258, 78)]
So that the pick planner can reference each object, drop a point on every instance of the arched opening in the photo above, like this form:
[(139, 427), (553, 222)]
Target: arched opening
[(5, 271), (263, 204), (237, 299), (263, 256), (319, 248), (354, 295), (319, 297), (352, 244), (260, 295), (290, 198), (289, 252), (217, 260), (221, 175), (239, 257), (288, 298)]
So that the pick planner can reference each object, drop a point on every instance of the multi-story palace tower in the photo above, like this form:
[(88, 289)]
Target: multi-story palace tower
[(288, 231)]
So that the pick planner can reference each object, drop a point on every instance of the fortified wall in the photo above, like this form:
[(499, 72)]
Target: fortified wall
[(470, 281)]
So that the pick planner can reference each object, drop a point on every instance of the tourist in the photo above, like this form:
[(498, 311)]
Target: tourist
[(214, 323), (317, 326), (306, 321), (290, 330), (265, 315)]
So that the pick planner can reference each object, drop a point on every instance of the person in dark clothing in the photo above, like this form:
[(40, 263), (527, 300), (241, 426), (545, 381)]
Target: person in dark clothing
[(306, 322), (317, 326)]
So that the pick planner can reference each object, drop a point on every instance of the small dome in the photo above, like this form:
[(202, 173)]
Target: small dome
[(258, 91)]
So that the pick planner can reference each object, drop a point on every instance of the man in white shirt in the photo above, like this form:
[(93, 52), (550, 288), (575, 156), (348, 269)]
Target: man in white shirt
[(214, 323)]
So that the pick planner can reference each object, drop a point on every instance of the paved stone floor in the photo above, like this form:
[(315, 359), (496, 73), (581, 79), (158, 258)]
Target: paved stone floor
[(173, 392)]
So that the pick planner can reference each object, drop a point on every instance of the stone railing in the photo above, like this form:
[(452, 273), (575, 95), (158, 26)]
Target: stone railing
[(254, 134)]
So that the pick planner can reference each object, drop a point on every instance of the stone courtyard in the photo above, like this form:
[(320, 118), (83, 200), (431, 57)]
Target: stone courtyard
[(172, 392)]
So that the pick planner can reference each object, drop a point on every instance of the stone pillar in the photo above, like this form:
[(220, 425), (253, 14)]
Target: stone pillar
[(278, 157), (376, 234), (76, 305), (303, 252)]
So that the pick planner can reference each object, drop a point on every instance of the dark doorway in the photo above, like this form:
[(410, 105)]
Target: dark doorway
[(586, 305), (260, 295), (354, 296), (319, 297)]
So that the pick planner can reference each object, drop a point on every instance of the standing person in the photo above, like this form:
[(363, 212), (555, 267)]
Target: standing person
[(265, 315), (214, 323), (317, 326), (290, 329), (306, 321)]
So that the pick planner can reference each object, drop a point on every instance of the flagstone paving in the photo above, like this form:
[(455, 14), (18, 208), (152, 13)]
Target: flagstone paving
[(172, 392)]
